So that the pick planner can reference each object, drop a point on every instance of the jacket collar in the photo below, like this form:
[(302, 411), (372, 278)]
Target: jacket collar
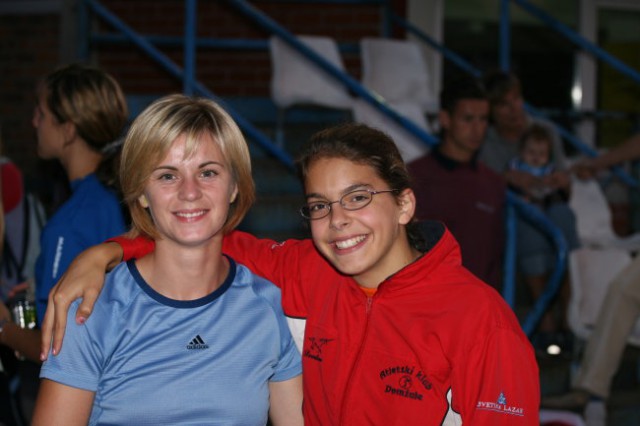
[(441, 248)]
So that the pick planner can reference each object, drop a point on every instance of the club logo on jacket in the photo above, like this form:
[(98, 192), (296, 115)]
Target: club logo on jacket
[(500, 406), (404, 381), (314, 351)]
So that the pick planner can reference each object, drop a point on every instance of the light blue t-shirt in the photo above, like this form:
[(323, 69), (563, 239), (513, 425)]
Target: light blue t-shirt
[(157, 361)]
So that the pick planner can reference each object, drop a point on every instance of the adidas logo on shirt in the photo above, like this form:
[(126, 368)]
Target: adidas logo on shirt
[(197, 343)]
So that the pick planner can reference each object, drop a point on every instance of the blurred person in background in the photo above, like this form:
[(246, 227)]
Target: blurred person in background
[(79, 119), (470, 196), (509, 122)]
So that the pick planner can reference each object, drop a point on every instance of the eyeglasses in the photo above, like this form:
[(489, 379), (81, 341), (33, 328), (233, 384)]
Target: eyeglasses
[(354, 200)]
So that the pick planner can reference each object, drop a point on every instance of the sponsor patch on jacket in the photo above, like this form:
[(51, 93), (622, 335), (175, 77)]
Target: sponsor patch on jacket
[(500, 405)]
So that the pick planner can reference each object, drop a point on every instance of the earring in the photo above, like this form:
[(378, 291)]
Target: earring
[(143, 201)]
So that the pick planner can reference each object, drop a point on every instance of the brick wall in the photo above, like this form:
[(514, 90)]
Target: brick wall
[(226, 72), (32, 44), (28, 49)]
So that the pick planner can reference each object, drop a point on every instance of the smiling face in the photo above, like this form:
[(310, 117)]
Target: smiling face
[(369, 244), (189, 197)]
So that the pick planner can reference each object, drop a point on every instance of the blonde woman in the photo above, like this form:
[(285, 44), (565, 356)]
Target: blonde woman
[(184, 335)]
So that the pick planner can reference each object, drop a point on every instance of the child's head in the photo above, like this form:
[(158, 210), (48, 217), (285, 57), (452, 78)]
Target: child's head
[(198, 121), (535, 146), (359, 201)]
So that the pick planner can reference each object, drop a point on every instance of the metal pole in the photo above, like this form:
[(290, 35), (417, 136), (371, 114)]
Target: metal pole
[(505, 35), (190, 24)]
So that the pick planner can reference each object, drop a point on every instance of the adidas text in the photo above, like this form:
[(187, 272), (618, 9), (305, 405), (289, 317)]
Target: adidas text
[(197, 343)]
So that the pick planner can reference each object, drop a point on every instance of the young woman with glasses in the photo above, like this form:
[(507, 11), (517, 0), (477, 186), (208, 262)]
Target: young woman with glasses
[(397, 331)]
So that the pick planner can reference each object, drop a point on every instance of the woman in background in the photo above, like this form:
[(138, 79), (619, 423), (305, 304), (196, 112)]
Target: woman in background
[(79, 119)]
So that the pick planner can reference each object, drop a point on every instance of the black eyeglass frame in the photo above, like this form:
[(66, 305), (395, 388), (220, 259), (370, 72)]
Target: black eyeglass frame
[(304, 210)]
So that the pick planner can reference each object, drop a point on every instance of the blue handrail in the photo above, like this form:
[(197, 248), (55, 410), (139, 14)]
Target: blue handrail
[(509, 265), (448, 54), (578, 40), (505, 36), (349, 82), (470, 69), (514, 203), (198, 88), (187, 75), (190, 23), (178, 41), (538, 219), (583, 44)]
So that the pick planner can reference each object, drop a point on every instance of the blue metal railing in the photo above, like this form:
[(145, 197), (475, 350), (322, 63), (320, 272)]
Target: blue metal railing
[(528, 212), (582, 43), (190, 85), (514, 202), (349, 82), (189, 47), (189, 82), (538, 219), (448, 54), (465, 66), (540, 305), (575, 38), (505, 36), (190, 42), (514, 205)]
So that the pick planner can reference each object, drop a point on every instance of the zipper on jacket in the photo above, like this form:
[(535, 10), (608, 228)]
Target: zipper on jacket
[(368, 308)]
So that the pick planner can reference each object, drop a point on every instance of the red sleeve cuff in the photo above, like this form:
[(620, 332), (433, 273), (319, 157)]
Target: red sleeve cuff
[(133, 248)]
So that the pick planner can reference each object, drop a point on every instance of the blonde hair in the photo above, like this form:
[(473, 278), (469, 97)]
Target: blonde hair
[(153, 132)]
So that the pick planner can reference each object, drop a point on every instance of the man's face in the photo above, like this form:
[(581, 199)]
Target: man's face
[(465, 128)]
